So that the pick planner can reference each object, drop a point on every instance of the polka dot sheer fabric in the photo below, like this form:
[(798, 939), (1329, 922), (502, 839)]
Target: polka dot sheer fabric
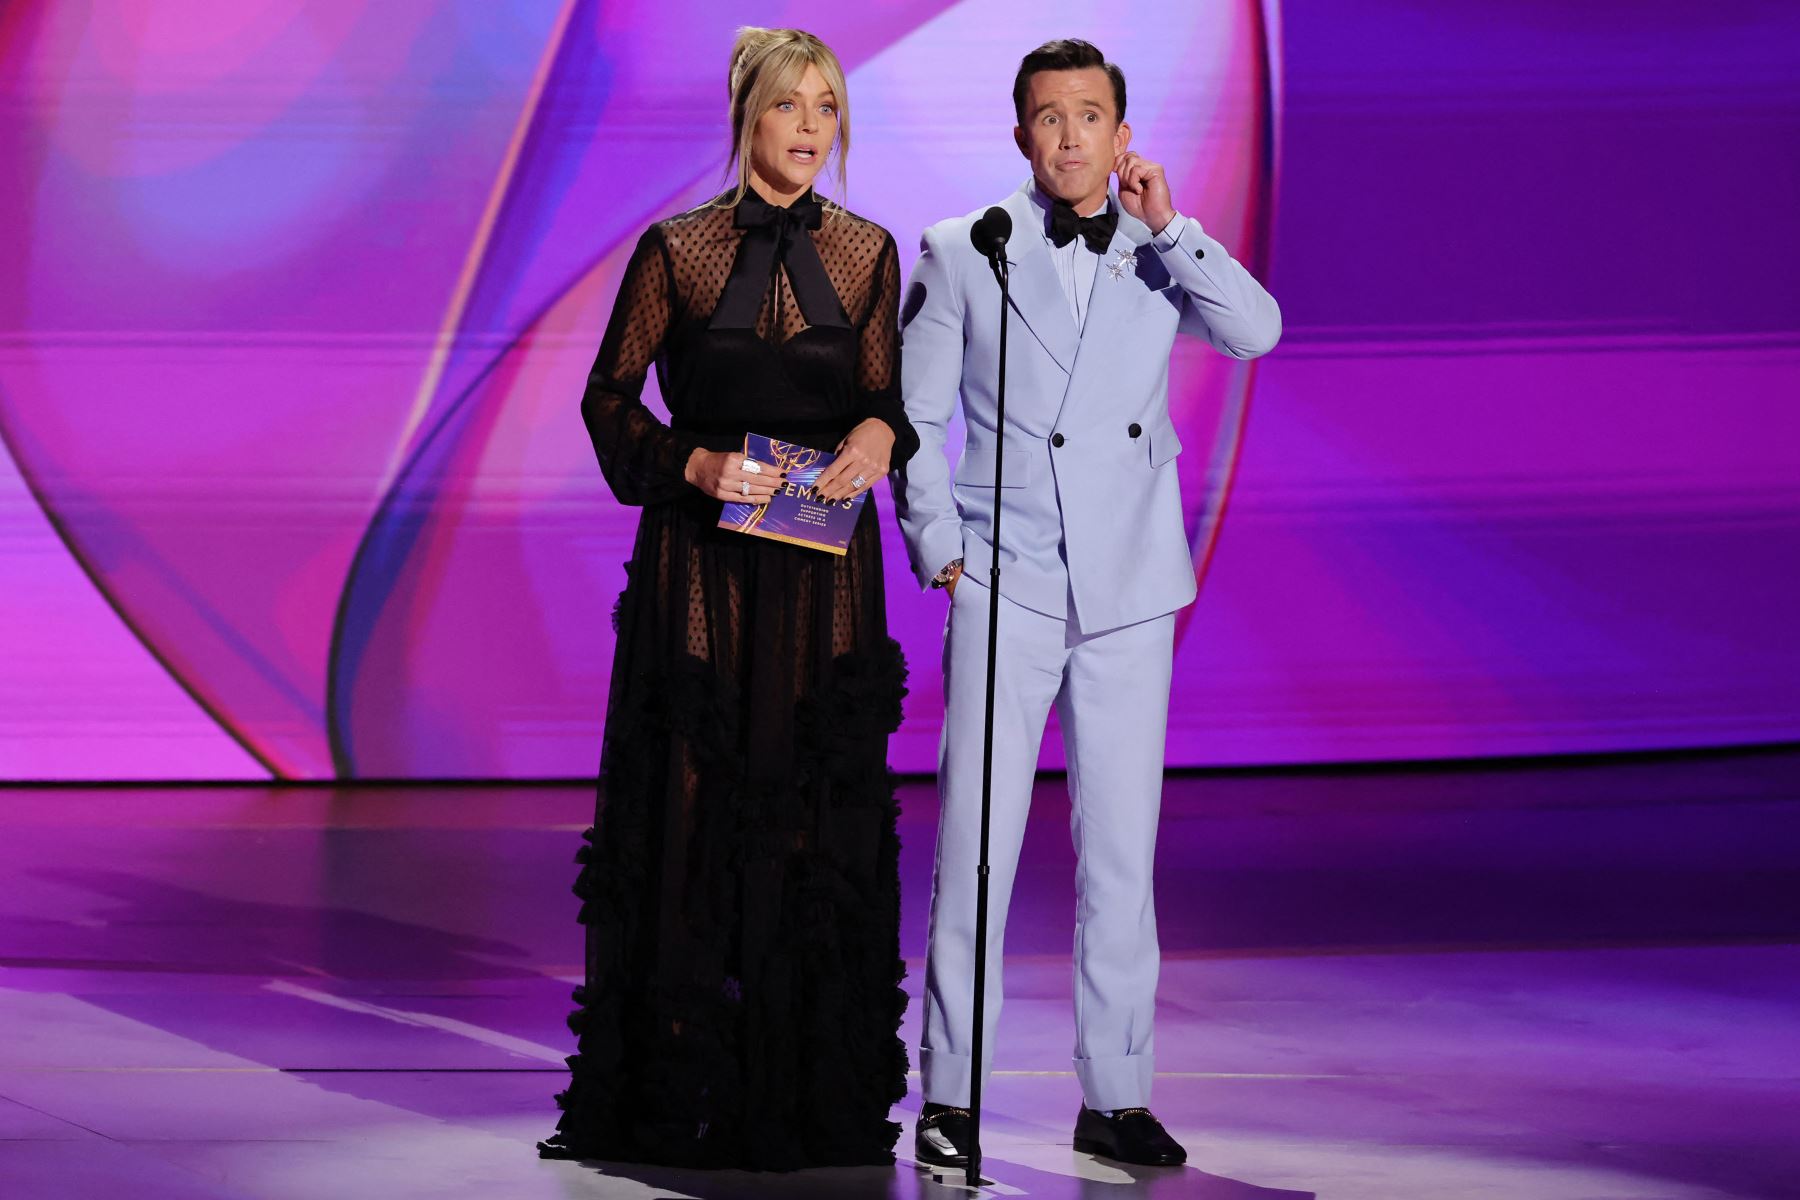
[(739, 886)]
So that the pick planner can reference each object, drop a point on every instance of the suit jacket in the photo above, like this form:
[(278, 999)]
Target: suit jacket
[(1092, 507)]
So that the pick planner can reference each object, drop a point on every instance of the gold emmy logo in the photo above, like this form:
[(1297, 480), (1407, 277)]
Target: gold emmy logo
[(791, 458)]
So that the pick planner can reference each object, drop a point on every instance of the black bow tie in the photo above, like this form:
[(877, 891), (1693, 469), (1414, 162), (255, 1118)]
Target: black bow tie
[(753, 212), (775, 237), (1097, 231)]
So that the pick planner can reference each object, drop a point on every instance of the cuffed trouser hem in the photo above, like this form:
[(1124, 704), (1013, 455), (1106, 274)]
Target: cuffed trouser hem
[(945, 1077), (1122, 1081)]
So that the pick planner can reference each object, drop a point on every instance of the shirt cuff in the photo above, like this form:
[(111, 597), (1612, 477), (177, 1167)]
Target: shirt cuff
[(1171, 234)]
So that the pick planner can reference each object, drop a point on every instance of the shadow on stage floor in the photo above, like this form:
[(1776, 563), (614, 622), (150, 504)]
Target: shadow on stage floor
[(1542, 980)]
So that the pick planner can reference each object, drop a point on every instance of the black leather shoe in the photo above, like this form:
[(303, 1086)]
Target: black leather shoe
[(941, 1138), (1130, 1135)]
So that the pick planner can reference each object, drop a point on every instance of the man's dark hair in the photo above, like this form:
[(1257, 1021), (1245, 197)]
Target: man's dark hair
[(1066, 54)]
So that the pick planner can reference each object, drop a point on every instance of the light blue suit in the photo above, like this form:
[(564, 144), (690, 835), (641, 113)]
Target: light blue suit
[(1094, 563)]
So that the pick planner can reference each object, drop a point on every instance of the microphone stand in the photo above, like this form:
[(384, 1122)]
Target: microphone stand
[(996, 260)]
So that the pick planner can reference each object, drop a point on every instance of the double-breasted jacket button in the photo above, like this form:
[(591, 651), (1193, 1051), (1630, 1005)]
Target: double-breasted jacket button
[(1057, 439), (1200, 253), (1136, 430)]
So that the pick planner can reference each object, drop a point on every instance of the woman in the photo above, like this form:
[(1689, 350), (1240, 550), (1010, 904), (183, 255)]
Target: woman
[(742, 1005)]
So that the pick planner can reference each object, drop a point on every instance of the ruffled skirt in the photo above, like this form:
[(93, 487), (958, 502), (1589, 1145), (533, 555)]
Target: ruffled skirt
[(740, 885)]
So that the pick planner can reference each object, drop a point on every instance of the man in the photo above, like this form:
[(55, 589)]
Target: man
[(1094, 559)]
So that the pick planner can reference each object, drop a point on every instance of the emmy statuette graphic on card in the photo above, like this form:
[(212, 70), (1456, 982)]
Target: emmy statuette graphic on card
[(795, 514)]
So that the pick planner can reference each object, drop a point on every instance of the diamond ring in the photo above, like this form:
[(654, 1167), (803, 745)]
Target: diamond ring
[(746, 486), (752, 467), (858, 481)]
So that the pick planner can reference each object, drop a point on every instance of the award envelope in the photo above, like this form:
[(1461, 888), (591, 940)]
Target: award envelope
[(795, 514)]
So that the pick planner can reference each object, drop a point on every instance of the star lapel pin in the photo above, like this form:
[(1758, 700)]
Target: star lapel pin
[(1127, 262)]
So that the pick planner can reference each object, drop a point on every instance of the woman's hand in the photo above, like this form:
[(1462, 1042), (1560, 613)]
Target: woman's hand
[(862, 458), (728, 475)]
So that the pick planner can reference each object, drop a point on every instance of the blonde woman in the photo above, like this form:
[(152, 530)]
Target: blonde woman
[(741, 1004)]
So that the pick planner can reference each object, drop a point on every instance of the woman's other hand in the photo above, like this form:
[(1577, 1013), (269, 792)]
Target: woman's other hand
[(728, 475), (862, 458)]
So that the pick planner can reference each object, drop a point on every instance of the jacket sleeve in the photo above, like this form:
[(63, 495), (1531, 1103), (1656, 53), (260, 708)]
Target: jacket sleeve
[(932, 350), (644, 461), (1224, 302), (878, 364)]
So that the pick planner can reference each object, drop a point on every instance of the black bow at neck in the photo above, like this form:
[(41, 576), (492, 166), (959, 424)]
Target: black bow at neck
[(776, 237), (1097, 231)]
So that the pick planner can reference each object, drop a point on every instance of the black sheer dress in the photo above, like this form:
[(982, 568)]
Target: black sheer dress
[(740, 892)]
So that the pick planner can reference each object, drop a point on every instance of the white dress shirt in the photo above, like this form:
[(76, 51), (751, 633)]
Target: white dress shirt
[(1076, 266)]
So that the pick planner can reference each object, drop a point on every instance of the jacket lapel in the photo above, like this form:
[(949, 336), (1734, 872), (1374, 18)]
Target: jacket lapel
[(1037, 294)]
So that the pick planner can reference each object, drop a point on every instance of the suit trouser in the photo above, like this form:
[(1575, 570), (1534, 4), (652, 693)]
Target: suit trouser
[(1111, 692)]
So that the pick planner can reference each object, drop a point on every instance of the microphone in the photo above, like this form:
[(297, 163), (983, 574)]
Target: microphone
[(989, 233)]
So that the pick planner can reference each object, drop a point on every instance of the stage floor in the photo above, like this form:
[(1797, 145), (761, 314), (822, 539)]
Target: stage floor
[(1538, 982)]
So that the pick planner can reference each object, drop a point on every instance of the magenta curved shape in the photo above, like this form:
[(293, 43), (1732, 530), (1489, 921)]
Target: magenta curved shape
[(473, 636)]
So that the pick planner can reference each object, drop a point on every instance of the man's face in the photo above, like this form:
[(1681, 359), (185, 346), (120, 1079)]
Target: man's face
[(1072, 134)]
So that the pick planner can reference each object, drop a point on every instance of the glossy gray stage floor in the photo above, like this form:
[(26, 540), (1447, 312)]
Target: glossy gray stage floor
[(1532, 982)]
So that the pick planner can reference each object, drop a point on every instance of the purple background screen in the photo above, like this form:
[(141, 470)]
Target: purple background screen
[(299, 296)]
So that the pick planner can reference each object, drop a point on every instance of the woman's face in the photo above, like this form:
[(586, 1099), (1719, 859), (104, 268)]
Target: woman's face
[(791, 140)]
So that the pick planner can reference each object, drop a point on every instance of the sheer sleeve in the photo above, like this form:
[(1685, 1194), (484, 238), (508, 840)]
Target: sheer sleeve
[(643, 459), (878, 356)]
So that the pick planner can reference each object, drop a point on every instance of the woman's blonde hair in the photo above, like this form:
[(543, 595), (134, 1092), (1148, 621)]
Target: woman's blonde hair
[(766, 65)]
